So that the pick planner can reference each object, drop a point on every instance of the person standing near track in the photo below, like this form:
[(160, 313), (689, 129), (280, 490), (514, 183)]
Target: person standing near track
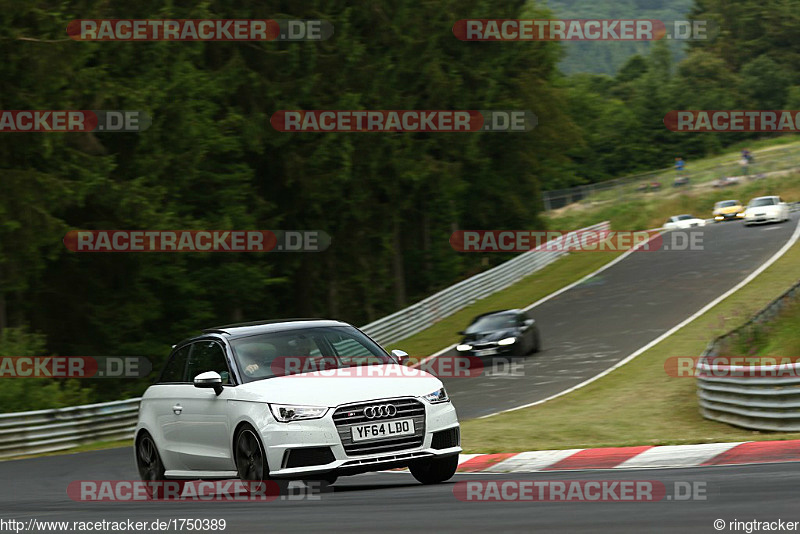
[(680, 168)]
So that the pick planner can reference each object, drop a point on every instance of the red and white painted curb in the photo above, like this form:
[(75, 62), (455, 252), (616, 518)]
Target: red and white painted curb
[(643, 457)]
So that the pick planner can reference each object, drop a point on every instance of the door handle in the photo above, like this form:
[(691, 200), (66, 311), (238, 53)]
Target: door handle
[(177, 409)]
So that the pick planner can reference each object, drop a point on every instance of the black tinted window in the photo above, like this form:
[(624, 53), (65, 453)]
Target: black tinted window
[(176, 365), (208, 356), (491, 323), (304, 350)]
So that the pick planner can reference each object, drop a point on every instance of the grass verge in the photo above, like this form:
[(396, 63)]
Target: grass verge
[(778, 339), (638, 404), (644, 212), (94, 446)]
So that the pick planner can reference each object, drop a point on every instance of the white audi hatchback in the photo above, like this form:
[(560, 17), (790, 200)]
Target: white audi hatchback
[(293, 400)]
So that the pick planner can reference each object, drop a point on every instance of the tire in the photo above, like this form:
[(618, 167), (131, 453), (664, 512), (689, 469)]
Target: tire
[(150, 467), (435, 471), (251, 460)]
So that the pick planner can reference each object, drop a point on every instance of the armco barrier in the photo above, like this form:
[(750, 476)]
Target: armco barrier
[(52, 430), (761, 402), (425, 313), (63, 428)]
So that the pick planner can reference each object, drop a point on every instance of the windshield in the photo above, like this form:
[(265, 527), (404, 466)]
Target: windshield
[(727, 203), (491, 323), (761, 202), (304, 350), (683, 217)]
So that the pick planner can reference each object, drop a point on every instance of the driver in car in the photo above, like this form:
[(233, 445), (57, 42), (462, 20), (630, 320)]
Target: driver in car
[(252, 358)]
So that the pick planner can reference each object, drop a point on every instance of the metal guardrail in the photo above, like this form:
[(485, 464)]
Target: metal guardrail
[(64, 428), (758, 397), (427, 312), (43, 431)]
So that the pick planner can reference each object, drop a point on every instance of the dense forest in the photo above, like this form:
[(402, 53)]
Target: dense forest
[(211, 159)]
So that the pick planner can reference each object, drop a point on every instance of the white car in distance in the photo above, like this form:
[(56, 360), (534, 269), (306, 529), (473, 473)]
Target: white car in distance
[(289, 400), (766, 209), (683, 222)]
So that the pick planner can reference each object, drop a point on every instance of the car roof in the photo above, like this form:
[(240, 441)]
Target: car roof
[(768, 196), (497, 312), (276, 325)]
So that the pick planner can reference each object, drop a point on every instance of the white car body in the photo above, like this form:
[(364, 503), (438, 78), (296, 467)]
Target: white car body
[(766, 209), (683, 222), (194, 427)]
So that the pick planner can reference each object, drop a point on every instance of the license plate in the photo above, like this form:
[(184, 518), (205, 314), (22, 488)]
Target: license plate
[(487, 352), (386, 429)]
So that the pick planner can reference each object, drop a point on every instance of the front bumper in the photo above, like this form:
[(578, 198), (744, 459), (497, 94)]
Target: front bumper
[(489, 350), (727, 216), (762, 218), (323, 440)]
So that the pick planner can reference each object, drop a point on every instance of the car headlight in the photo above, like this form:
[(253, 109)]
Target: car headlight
[(440, 395), (462, 348), (740, 214), (507, 341), (288, 412)]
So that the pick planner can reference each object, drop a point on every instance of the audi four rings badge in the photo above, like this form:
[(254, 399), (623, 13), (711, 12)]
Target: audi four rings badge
[(377, 412)]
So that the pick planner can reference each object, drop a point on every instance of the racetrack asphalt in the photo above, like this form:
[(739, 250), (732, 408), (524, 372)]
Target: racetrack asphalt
[(594, 325), (394, 502)]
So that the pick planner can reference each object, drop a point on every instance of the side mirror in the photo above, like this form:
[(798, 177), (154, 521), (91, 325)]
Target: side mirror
[(209, 379), (400, 356), (461, 333)]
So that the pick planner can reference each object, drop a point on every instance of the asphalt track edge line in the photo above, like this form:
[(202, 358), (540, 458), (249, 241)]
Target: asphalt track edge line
[(764, 266), (556, 293)]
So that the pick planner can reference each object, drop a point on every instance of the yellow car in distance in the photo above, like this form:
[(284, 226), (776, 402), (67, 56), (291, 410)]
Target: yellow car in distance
[(726, 210)]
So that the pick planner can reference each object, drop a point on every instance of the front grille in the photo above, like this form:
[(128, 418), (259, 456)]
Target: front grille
[(307, 456), (346, 417), (445, 439)]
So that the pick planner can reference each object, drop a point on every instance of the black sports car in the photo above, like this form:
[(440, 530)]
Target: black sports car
[(507, 332)]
